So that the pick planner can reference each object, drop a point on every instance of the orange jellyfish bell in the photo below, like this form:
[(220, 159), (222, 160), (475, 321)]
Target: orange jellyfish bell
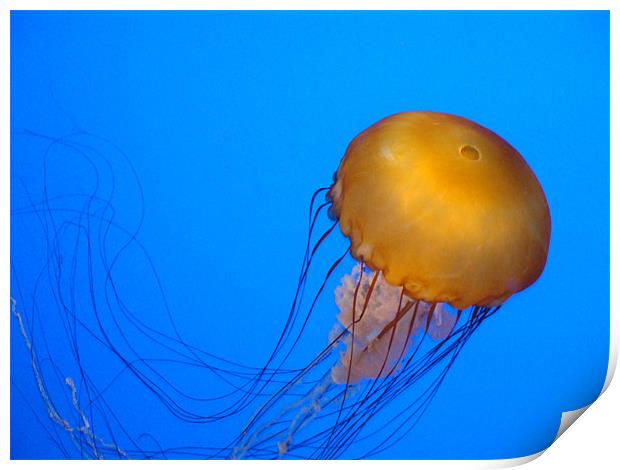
[(443, 207)]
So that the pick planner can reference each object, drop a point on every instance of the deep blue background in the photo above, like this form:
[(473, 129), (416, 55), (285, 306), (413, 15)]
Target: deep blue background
[(232, 119)]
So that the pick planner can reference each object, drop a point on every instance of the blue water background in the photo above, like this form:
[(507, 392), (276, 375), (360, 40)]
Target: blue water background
[(233, 119)]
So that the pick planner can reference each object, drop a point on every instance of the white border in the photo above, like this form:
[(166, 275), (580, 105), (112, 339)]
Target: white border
[(305, 5), (594, 442)]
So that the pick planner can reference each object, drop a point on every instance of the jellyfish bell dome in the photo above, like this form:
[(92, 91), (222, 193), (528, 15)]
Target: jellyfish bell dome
[(443, 207)]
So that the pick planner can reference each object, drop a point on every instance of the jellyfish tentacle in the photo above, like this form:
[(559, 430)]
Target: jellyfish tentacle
[(258, 383), (476, 317), (305, 266), (401, 311), (299, 376), (361, 418), (355, 320)]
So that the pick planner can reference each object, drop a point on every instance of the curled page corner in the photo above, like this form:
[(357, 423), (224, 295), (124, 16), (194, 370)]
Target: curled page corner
[(517, 461), (568, 418)]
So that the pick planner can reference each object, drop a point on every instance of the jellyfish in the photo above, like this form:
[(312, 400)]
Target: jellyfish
[(436, 222), (443, 217)]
